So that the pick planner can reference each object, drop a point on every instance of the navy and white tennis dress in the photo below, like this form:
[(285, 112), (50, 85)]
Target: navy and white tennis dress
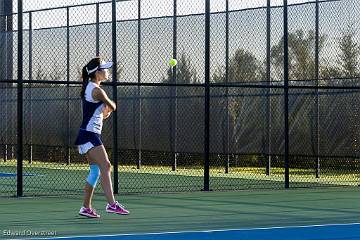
[(90, 130)]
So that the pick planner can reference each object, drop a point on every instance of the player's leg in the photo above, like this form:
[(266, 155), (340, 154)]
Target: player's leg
[(89, 192), (90, 185), (98, 154)]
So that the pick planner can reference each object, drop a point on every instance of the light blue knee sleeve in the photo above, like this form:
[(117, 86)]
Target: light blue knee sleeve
[(93, 175)]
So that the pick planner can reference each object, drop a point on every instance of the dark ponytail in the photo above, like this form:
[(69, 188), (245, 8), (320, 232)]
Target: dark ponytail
[(95, 62), (85, 77)]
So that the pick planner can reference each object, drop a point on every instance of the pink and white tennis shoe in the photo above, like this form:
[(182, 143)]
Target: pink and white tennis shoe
[(88, 212), (116, 208)]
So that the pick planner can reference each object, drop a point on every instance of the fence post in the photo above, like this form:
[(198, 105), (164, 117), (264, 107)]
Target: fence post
[(97, 29), (68, 150), (20, 98), (114, 89), (286, 93), (138, 93), (7, 71), (227, 130), (173, 97), (3, 34), (268, 79), (30, 84), (317, 100), (207, 98)]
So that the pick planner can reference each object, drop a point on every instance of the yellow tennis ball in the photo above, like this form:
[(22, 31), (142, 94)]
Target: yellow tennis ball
[(173, 62)]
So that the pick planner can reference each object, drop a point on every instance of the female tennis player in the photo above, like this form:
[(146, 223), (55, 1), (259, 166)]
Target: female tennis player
[(96, 107)]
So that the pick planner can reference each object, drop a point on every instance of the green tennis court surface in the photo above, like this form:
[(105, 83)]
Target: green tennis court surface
[(190, 213)]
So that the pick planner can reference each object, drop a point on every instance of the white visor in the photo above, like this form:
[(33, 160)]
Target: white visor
[(103, 65)]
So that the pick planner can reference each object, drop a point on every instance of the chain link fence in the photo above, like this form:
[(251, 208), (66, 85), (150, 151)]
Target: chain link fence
[(161, 117)]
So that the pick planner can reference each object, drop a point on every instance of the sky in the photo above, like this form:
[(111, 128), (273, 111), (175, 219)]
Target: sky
[(127, 10), (40, 4)]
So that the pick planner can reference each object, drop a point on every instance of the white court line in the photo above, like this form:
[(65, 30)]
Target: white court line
[(204, 231)]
